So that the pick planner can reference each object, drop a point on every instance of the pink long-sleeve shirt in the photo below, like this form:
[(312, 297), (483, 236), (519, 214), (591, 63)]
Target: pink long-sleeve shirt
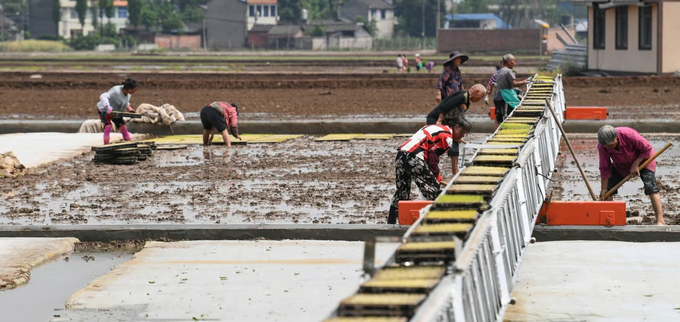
[(631, 146)]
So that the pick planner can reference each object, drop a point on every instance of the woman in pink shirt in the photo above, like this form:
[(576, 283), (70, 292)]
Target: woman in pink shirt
[(621, 151), (220, 116)]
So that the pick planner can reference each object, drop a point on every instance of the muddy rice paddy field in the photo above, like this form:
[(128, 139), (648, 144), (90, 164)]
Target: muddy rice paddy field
[(299, 181), (276, 95)]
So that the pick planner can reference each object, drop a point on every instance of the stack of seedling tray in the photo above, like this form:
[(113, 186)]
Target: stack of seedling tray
[(123, 153)]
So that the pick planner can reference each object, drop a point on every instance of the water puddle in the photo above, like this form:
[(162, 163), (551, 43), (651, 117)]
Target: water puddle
[(52, 284)]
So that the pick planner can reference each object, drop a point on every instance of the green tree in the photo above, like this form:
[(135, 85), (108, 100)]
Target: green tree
[(409, 15), (56, 15), (94, 12), (81, 10), (192, 14), (107, 8), (172, 23), (289, 10), (135, 12), (148, 16), (372, 26)]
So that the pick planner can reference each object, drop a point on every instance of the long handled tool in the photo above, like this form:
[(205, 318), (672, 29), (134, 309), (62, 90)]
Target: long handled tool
[(611, 191), (564, 136)]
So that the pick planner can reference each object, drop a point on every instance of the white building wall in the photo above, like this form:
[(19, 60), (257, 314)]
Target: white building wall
[(69, 19), (261, 14), (384, 26)]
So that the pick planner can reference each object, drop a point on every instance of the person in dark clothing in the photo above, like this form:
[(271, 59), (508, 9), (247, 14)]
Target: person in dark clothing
[(453, 106)]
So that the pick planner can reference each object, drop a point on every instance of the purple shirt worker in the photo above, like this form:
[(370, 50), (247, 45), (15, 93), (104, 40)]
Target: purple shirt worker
[(621, 151)]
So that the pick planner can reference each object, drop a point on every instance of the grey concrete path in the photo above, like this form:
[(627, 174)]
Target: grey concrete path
[(598, 281), (19, 255), (225, 281)]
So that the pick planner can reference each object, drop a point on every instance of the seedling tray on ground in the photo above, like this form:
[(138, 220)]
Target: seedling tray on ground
[(410, 272), (388, 304), (108, 147), (171, 147), (410, 286), (451, 216)]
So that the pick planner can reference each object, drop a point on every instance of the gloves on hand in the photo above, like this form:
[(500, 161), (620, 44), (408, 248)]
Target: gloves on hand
[(109, 110), (486, 100)]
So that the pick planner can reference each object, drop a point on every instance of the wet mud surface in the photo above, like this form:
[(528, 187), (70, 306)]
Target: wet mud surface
[(569, 184), (74, 95), (299, 181)]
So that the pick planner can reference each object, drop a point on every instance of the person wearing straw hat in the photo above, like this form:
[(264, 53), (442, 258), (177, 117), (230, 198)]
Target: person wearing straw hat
[(621, 152), (451, 79)]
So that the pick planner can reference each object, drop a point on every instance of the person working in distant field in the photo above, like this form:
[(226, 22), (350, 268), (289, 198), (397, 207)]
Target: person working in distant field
[(621, 151), (451, 79), (452, 107), (117, 99), (505, 93), (412, 159), (400, 63), (220, 116), (491, 86), (419, 62), (429, 66), (405, 59)]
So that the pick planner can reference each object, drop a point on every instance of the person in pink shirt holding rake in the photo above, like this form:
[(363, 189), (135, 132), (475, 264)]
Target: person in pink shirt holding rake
[(621, 152)]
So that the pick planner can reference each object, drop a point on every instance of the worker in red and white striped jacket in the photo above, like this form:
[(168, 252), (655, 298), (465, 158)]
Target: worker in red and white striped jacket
[(412, 157)]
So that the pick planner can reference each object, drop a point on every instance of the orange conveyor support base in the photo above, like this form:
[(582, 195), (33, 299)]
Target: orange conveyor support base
[(595, 213), (575, 113), (409, 210)]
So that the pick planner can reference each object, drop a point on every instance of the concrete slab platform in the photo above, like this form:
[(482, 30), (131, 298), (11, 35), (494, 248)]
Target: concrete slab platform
[(34, 149), (226, 281), (20, 255), (598, 281)]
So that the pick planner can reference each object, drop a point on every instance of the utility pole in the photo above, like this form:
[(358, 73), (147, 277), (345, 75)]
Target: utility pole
[(436, 31), (205, 36), (422, 34), (2, 26)]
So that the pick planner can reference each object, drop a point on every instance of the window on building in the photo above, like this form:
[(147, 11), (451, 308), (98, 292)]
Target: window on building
[(622, 27), (74, 13), (382, 14), (259, 10), (598, 27), (122, 12), (374, 14), (645, 28), (251, 11), (272, 11), (266, 11)]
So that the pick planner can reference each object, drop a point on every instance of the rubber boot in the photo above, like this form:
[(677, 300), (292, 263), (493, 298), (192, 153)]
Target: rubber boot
[(107, 134), (392, 216)]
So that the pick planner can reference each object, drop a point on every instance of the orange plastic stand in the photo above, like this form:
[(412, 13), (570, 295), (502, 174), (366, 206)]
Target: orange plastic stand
[(409, 210), (585, 113), (598, 213), (492, 113)]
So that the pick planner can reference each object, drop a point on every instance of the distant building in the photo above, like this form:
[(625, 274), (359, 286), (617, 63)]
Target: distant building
[(340, 34), (380, 11), (228, 22), (633, 36), (476, 21), (69, 26), (43, 27)]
